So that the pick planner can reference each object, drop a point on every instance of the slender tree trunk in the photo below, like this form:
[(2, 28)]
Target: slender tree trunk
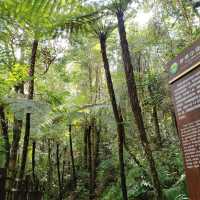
[(93, 154), (118, 119), (85, 147), (121, 135), (63, 166), (90, 162), (135, 106), (17, 128), (58, 170), (155, 119), (4, 128), (25, 147), (72, 157), (96, 141), (173, 117), (28, 115), (49, 173), (33, 161), (157, 126), (32, 70)]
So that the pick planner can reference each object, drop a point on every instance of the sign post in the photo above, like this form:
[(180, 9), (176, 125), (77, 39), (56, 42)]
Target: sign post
[(184, 80)]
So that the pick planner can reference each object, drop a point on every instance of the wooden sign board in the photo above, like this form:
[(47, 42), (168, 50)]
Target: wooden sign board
[(184, 79)]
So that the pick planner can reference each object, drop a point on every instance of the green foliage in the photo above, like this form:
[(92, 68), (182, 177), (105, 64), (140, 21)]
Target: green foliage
[(17, 74), (4, 86), (11, 78), (70, 88), (178, 191), (140, 190), (112, 192)]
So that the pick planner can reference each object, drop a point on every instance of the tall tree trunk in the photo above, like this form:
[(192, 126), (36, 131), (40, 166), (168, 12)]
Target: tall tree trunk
[(5, 137), (95, 161), (135, 106), (2, 184), (4, 128), (174, 122), (157, 126), (118, 119), (63, 166), (28, 115), (85, 153), (58, 171), (98, 139), (155, 119), (72, 157), (90, 163), (32, 70), (17, 128), (33, 161), (93, 154), (49, 172), (25, 147)]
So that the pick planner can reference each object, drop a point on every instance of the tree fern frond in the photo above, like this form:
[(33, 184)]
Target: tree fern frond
[(23, 106)]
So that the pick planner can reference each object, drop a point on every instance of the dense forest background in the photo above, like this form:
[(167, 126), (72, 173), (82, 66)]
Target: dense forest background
[(85, 107)]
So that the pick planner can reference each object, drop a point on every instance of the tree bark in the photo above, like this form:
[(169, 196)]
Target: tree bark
[(118, 119), (90, 163), (174, 121), (32, 70), (155, 119), (135, 106), (33, 161), (4, 128), (85, 148), (17, 127), (72, 157), (63, 166), (58, 171), (157, 126), (28, 115), (2, 183), (98, 139), (96, 153), (25, 147), (49, 173)]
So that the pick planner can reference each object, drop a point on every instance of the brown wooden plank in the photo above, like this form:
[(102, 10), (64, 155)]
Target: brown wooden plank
[(184, 76)]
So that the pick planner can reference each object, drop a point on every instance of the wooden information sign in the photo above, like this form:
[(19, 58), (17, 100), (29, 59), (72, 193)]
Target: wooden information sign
[(184, 79)]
